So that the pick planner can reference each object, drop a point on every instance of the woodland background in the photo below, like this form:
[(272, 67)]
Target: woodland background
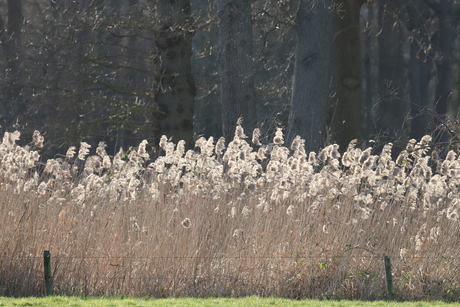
[(330, 71)]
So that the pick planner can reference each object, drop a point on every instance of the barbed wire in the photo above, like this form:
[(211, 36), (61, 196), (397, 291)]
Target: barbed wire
[(196, 278), (293, 257)]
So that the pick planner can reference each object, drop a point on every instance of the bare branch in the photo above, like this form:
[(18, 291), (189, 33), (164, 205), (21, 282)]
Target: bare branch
[(433, 5)]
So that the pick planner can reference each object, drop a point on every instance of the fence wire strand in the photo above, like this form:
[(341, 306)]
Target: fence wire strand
[(295, 257)]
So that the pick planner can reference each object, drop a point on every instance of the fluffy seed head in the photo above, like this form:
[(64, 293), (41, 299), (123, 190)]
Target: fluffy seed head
[(38, 139), (84, 150), (278, 139), (186, 223)]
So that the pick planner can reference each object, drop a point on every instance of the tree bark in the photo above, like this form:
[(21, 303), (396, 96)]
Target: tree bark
[(13, 106), (443, 41), (370, 73), (236, 67), (310, 90), (418, 68), (346, 79), (175, 88), (391, 109)]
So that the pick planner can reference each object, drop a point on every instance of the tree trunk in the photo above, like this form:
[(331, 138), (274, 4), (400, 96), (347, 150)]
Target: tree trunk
[(13, 106), (443, 41), (346, 80), (391, 109), (418, 69), (175, 88), (370, 72), (236, 67), (310, 91)]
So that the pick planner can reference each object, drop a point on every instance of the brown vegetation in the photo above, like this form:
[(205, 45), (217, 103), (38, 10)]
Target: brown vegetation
[(241, 220)]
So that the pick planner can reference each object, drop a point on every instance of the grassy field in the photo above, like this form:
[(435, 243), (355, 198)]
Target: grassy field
[(221, 302), (231, 221)]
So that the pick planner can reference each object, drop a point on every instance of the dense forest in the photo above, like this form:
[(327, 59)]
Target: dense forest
[(328, 70)]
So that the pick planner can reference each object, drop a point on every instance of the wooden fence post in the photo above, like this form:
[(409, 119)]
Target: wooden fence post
[(48, 276), (389, 277)]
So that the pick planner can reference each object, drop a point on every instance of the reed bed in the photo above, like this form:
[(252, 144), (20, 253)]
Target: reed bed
[(230, 220)]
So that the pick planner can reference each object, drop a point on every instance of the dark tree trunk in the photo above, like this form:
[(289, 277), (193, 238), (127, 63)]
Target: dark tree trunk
[(310, 91), (346, 82), (391, 109), (370, 80), (418, 69), (175, 87), (13, 106), (443, 41), (236, 66)]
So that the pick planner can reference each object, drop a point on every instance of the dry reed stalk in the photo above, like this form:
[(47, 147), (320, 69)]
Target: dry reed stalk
[(270, 221)]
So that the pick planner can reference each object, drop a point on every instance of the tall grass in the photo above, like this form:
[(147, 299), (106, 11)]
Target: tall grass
[(242, 219)]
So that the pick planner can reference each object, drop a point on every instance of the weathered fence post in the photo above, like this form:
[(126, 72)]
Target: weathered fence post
[(389, 277), (48, 276)]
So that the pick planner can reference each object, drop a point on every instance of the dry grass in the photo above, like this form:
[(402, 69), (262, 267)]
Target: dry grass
[(241, 220)]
